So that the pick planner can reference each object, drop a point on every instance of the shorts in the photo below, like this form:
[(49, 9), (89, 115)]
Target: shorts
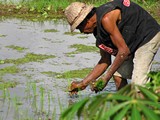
[(138, 66)]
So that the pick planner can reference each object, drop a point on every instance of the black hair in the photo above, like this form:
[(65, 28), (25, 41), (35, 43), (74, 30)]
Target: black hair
[(91, 13)]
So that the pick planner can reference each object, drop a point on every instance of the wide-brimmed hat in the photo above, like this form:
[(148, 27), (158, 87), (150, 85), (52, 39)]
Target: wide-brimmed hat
[(76, 13)]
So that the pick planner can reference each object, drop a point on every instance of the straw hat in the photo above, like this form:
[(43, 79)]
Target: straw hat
[(76, 13)]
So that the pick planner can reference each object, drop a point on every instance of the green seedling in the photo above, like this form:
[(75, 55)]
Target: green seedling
[(42, 92), (30, 57), (97, 85), (18, 48), (50, 30), (80, 48)]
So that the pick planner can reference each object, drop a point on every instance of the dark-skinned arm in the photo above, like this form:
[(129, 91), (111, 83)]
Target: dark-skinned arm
[(99, 69), (109, 23)]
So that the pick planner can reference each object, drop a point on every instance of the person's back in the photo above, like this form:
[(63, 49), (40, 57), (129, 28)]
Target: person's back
[(121, 28), (137, 26)]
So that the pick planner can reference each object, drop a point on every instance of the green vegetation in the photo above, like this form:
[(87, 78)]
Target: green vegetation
[(30, 57), (82, 37), (80, 48), (154, 85), (3, 35), (128, 103), (18, 48), (4, 85), (72, 33), (69, 74), (38, 10), (125, 104), (34, 92), (98, 85), (9, 70), (51, 30)]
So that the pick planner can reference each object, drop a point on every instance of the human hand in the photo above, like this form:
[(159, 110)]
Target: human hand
[(98, 85), (76, 86)]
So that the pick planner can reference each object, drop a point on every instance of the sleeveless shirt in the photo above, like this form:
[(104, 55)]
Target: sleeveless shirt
[(137, 26)]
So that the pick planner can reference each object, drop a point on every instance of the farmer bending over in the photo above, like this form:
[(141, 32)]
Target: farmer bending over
[(122, 29)]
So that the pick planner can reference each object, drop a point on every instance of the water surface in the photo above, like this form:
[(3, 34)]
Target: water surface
[(37, 95)]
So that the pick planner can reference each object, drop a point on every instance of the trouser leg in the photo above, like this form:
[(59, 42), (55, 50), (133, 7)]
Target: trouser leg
[(143, 60)]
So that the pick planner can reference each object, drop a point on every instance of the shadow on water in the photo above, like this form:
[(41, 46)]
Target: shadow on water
[(27, 49)]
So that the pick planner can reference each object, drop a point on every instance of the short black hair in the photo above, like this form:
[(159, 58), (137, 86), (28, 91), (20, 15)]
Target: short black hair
[(91, 13)]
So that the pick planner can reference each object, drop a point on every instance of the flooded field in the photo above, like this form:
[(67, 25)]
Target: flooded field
[(32, 57)]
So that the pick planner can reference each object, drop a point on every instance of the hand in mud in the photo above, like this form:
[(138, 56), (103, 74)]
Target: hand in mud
[(75, 87), (98, 85)]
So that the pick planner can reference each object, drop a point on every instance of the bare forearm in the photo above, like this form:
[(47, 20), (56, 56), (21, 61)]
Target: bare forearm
[(99, 69), (120, 58)]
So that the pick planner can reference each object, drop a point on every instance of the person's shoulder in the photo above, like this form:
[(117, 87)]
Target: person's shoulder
[(112, 14)]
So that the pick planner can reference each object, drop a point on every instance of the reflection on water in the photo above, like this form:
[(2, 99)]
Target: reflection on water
[(35, 95)]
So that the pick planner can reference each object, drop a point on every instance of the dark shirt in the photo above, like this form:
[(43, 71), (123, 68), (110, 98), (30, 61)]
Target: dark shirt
[(137, 26)]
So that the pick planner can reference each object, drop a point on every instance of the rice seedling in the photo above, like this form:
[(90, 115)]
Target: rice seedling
[(49, 103), (53, 114), (16, 107), (30, 57), (42, 93), (50, 30), (6, 94), (127, 102), (18, 48), (34, 88)]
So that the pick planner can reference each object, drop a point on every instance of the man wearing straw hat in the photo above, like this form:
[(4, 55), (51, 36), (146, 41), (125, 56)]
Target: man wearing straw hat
[(122, 29)]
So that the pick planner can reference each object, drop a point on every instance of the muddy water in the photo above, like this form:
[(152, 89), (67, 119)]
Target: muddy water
[(37, 96), (31, 35)]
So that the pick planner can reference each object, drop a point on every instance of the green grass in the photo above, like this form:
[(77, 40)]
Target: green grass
[(80, 48), (3, 35), (30, 57), (50, 30), (72, 33), (40, 10), (82, 37), (18, 48), (4, 85), (9, 70), (69, 74)]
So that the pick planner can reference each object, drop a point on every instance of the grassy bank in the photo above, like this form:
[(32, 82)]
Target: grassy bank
[(51, 9)]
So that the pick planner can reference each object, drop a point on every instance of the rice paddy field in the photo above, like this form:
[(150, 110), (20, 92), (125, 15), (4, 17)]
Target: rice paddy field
[(39, 57)]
